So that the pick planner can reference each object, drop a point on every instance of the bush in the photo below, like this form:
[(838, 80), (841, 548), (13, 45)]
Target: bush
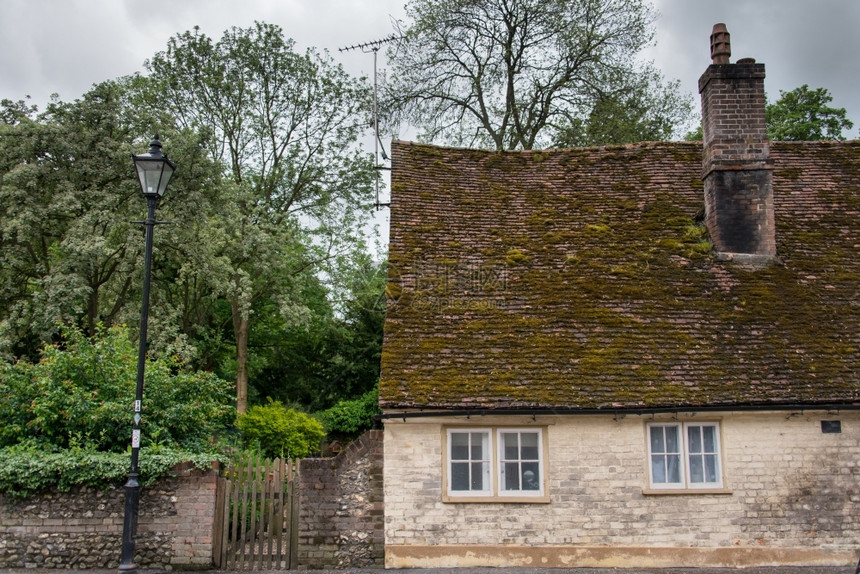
[(26, 470), (350, 418), (280, 432), (80, 395)]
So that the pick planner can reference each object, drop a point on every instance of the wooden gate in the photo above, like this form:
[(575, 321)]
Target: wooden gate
[(256, 523)]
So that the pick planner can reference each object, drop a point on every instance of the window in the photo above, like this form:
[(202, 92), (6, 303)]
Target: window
[(505, 463), (470, 462), (684, 455)]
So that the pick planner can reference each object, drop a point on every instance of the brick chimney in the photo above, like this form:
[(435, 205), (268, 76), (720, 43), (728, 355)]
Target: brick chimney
[(736, 167)]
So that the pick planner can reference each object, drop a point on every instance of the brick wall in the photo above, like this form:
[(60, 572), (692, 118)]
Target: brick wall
[(792, 497), (83, 528), (734, 129), (737, 169), (341, 507)]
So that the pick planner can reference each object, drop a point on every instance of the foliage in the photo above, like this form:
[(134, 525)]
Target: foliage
[(509, 74), (63, 215), (26, 470), (800, 115), (695, 135), (80, 395), (803, 115), (258, 276), (70, 253), (279, 431), (350, 418), (284, 128), (645, 109)]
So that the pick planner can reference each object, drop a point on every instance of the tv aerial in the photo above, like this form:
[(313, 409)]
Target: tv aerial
[(368, 48)]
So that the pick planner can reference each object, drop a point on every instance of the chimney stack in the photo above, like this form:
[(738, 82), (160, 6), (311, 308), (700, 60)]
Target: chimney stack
[(736, 166)]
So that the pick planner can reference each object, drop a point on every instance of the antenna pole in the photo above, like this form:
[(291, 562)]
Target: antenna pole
[(375, 124), (374, 47)]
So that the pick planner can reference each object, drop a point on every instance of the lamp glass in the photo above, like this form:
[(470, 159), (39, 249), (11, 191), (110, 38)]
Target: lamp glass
[(154, 175)]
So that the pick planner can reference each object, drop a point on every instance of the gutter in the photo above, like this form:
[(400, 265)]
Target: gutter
[(619, 411)]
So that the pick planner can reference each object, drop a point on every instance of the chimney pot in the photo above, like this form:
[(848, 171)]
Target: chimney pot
[(721, 45)]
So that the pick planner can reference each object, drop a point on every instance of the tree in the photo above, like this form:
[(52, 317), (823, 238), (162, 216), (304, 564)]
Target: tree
[(803, 115), (511, 74), (336, 354), (69, 250), (284, 127), (645, 110)]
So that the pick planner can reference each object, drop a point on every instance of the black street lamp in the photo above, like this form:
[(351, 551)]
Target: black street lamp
[(154, 171)]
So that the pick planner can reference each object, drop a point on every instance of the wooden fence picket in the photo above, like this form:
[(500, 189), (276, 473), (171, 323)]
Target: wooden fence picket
[(255, 516)]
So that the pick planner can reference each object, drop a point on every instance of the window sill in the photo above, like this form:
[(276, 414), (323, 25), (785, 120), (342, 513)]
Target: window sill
[(687, 491), (496, 499)]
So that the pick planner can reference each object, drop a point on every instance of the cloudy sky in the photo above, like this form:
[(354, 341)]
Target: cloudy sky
[(65, 46)]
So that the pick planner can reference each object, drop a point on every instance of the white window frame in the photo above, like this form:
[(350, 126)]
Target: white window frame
[(486, 459), (685, 456), (498, 463), (504, 463)]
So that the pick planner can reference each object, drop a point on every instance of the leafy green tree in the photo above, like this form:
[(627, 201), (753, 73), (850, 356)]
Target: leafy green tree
[(347, 419), (695, 135), (353, 367), (511, 74), (804, 115), (284, 127), (78, 395), (69, 250), (648, 109), (279, 431), (336, 354)]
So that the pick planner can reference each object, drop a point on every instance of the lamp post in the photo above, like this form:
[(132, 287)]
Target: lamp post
[(153, 171)]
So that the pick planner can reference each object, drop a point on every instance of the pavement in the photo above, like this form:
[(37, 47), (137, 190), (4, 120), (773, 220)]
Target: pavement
[(755, 570)]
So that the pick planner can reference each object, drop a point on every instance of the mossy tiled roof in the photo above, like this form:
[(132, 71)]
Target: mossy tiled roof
[(582, 279)]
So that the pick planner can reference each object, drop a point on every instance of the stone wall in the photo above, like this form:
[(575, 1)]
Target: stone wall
[(341, 507), (83, 528), (791, 496)]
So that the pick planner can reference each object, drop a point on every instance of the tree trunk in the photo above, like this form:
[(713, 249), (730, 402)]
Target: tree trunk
[(241, 325), (92, 311)]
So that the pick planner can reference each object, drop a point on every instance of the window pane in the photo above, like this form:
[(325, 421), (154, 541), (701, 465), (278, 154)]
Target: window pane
[(478, 448), (460, 476), (529, 442), (672, 440), (478, 479), (531, 476), (511, 446), (657, 443), (658, 468), (711, 468), (673, 468), (694, 436), (512, 477), (710, 439), (459, 446), (697, 473)]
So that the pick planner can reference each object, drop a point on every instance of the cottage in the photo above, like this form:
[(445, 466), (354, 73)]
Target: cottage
[(642, 355)]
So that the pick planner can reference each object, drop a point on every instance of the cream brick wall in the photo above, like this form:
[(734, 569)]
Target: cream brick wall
[(790, 487)]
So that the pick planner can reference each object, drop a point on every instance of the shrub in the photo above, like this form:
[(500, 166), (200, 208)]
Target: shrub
[(80, 396), (26, 470), (350, 418), (280, 432)]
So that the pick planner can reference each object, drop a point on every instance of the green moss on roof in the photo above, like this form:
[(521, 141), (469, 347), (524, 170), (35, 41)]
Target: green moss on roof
[(582, 279)]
